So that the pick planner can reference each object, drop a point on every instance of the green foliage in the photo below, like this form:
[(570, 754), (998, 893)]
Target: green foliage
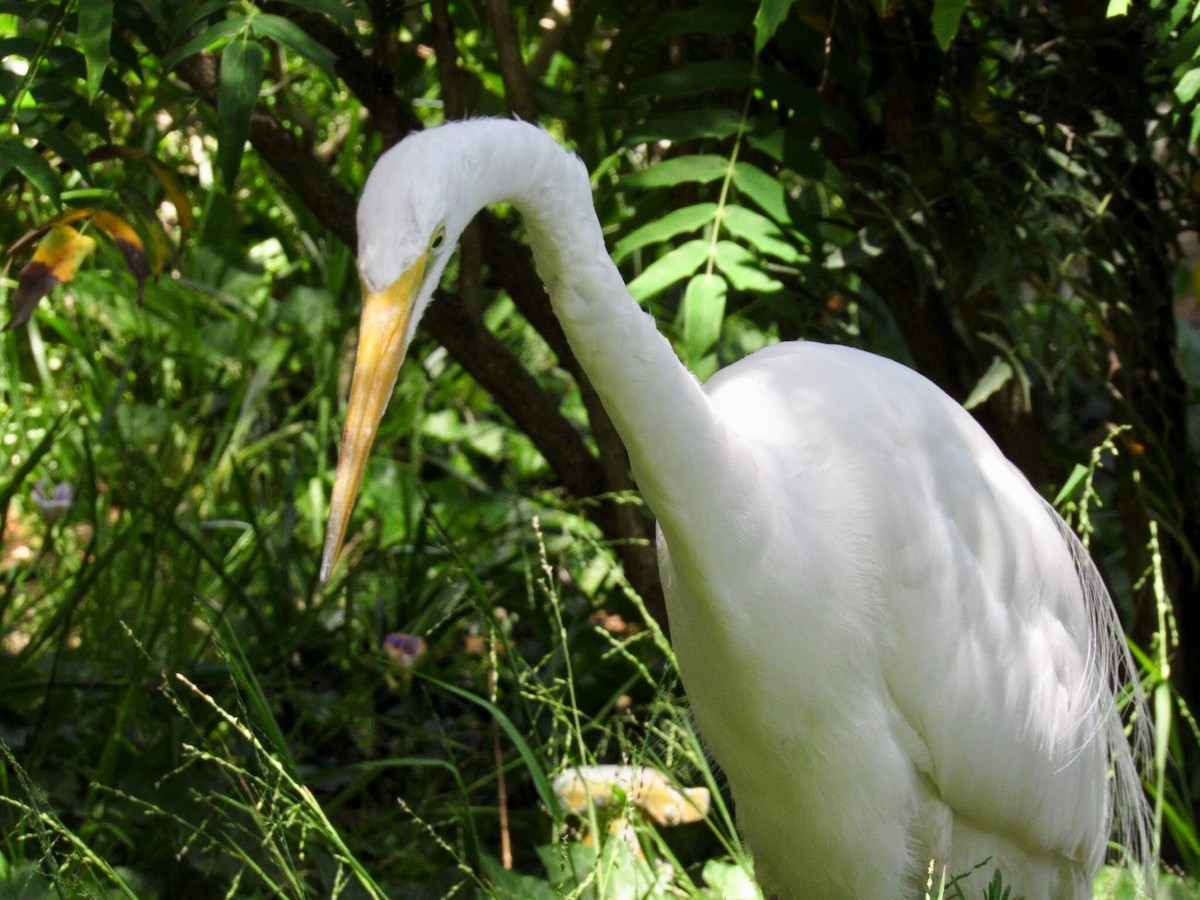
[(241, 78), (95, 33), (182, 708), (947, 16)]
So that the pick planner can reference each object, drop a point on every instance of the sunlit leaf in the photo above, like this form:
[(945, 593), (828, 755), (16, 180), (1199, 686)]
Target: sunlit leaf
[(1188, 86), (761, 233), (672, 267), (676, 222), (730, 880), (55, 262), (95, 34), (292, 36), (241, 77), (765, 190), (767, 20), (703, 313), (999, 373), (701, 168), (1072, 485), (744, 272)]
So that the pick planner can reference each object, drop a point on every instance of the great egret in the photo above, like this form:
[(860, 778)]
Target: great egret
[(894, 648)]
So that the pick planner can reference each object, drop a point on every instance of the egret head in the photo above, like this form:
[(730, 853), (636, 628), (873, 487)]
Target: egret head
[(410, 217)]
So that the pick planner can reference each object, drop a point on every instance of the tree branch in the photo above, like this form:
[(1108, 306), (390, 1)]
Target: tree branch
[(508, 54)]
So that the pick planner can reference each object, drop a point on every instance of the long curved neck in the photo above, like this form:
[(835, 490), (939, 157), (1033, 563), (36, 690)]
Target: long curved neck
[(674, 441)]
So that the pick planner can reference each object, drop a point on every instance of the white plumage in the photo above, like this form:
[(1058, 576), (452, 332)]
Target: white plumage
[(894, 648)]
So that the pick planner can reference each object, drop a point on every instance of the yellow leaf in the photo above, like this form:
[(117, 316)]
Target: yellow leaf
[(116, 227), (66, 218), (128, 242), (55, 262)]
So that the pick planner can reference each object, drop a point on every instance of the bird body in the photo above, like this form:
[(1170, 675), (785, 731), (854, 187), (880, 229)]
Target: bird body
[(893, 646), (909, 614)]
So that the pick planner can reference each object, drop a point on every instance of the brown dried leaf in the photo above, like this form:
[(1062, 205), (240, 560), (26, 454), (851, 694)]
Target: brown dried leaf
[(55, 262), (129, 243)]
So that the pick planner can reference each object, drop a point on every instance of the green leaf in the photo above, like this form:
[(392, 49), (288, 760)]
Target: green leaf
[(678, 264), (703, 313), (772, 142), (1188, 86), (687, 125), (730, 881), (674, 223), (703, 18), (190, 17), (761, 233), (206, 39), (694, 78), (1072, 484), (512, 884), (56, 260), (294, 38), (59, 141), (947, 17), (33, 166), (95, 34), (767, 20), (1117, 8), (743, 270), (700, 168), (568, 865), (241, 77), (765, 190), (339, 12), (999, 373), (537, 775)]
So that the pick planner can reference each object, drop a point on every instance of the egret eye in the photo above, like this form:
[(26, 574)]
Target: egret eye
[(438, 241)]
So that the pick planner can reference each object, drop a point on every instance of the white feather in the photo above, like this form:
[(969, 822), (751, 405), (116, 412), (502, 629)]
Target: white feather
[(894, 647)]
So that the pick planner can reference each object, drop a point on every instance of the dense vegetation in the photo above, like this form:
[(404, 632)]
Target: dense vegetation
[(1001, 195)]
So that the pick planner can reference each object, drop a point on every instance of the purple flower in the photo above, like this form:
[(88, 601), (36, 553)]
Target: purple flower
[(404, 649), (53, 505)]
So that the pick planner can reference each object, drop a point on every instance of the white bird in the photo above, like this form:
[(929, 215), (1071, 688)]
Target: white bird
[(895, 649)]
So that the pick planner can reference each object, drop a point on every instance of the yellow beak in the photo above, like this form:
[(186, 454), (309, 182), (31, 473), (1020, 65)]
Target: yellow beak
[(382, 342)]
